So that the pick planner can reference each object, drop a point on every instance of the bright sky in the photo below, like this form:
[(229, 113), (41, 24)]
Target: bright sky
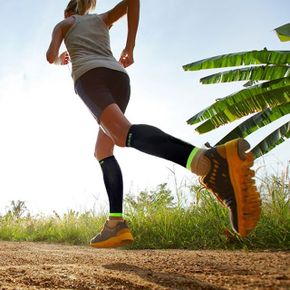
[(48, 135)]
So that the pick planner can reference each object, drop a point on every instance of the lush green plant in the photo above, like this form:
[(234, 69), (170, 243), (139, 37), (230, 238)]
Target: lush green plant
[(161, 223), (265, 98), (17, 209), (72, 227), (158, 221), (276, 211), (283, 32)]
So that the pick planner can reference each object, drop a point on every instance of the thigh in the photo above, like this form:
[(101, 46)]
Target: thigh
[(120, 89), (104, 146), (93, 89), (101, 87), (115, 124)]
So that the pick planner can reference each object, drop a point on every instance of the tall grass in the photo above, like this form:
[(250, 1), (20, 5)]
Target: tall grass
[(273, 230), (72, 228), (161, 219), (157, 222), (206, 224)]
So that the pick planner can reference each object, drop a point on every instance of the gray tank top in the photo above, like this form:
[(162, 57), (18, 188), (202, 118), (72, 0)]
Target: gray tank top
[(88, 44)]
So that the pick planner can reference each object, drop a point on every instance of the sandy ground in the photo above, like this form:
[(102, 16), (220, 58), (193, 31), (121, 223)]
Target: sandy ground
[(47, 266)]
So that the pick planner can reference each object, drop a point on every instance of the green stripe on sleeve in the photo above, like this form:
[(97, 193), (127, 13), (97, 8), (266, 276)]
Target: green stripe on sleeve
[(116, 214)]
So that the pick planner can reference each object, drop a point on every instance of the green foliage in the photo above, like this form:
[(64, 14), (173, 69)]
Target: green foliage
[(266, 93), (274, 226), (254, 57), (71, 228), (251, 74), (150, 201), (162, 224), (205, 223), (272, 140), (17, 209), (159, 222), (253, 99), (283, 32), (255, 122)]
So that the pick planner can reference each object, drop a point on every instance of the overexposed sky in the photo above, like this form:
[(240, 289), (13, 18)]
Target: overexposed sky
[(48, 135)]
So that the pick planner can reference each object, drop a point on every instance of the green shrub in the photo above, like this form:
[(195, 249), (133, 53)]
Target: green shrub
[(160, 219)]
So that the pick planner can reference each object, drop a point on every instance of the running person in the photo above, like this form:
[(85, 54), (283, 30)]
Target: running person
[(104, 86)]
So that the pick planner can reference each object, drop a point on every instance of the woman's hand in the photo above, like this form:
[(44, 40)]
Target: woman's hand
[(63, 58), (126, 58)]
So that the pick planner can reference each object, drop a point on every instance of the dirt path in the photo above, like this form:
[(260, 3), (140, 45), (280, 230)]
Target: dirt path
[(43, 266)]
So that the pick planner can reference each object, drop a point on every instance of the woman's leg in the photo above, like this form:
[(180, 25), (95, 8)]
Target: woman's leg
[(116, 232), (112, 174), (115, 124), (151, 140), (225, 169)]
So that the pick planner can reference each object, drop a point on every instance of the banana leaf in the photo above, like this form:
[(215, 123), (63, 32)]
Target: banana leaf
[(283, 32), (271, 141), (247, 101), (241, 58), (253, 73), (250, 84), (256, 122)]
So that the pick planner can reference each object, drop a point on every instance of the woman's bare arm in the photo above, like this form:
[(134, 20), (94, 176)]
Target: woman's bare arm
[(127, 58), (133, 21), (131, 8), (113, 15), (56, 40), (52, 54)]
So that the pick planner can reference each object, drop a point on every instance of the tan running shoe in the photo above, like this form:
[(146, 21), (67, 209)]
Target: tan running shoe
[(231, 180), (118, 236)]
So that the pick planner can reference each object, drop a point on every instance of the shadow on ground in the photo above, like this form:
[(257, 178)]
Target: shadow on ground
[(169, 280)]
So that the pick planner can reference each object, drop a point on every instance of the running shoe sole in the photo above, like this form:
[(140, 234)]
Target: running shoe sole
[(123, 238), (247, 197)]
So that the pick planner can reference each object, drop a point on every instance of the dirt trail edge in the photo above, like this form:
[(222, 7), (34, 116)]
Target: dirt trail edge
[(47, 266)]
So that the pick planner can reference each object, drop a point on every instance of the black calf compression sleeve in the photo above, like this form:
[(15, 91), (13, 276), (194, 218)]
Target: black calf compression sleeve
[(155, 142), (114, 185)]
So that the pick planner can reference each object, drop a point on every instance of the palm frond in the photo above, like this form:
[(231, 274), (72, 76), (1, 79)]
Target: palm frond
[(241, 58), (256, 122), (245, 102), (271, 141), (283, 32), (253, 73)]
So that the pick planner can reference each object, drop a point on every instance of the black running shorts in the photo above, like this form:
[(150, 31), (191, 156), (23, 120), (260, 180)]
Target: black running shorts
[(101, 87)]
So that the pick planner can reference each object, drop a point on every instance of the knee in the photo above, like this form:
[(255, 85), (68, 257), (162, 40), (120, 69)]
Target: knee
[(96, 155), (119, 141), (102, 154), (118, 137), (118, 131)]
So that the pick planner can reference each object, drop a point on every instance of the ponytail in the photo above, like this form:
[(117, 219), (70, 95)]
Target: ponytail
[(81, 7)]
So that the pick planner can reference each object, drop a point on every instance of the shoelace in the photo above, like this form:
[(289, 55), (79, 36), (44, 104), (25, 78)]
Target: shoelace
[(211, 184)]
